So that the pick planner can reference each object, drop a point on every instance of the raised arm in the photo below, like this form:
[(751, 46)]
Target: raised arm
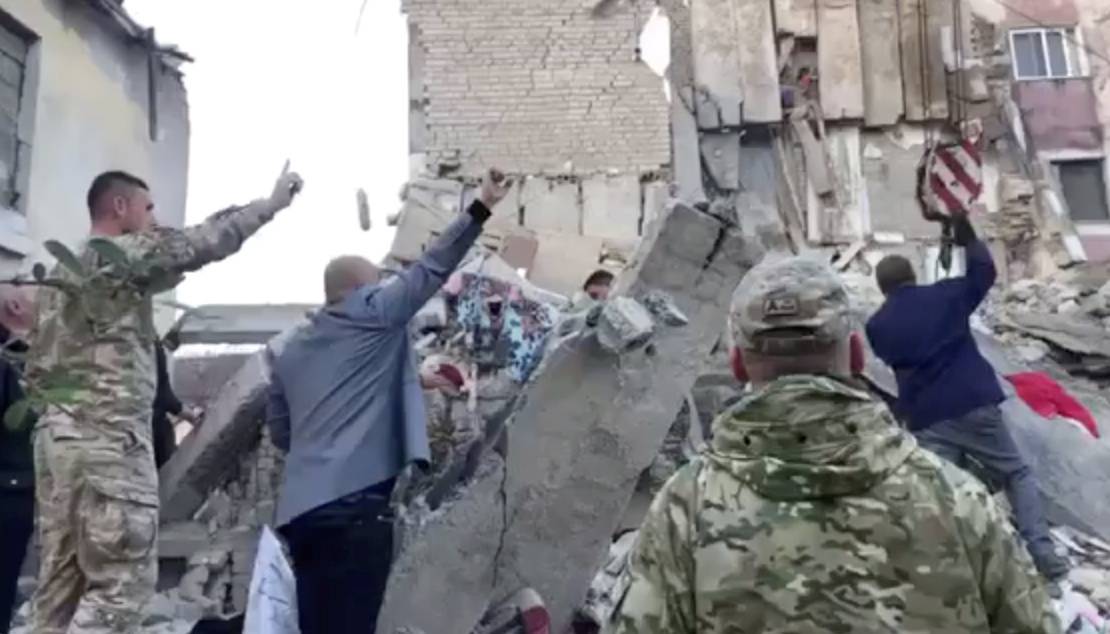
[(169, 253), (981, 273), (398, 300)]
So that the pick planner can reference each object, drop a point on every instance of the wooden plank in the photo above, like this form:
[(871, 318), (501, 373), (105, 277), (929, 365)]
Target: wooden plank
[(923, 75), (796, 17), (839, 60), (759, 74), (717, 57), (882, 66)]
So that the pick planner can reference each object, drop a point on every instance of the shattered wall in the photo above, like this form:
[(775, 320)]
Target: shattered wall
[(536, 87), (85, 108)]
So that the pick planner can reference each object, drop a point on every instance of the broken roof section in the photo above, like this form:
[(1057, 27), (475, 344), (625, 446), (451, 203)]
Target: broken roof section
[(169, 55)]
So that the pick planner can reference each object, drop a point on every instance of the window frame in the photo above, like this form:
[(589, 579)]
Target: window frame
[(1058, 163), (1075, 52)]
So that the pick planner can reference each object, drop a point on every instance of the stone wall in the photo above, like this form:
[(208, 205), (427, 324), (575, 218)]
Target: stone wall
[(536, 87)]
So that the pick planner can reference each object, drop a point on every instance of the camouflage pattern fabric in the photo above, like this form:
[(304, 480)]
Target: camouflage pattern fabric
[(789, 306), (813, 512), (96, 484)]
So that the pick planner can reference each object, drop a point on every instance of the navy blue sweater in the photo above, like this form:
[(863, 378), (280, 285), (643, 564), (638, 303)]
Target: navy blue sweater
[(923, 333)]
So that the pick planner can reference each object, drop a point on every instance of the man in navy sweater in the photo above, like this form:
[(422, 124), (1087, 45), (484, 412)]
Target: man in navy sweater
[(947, 392)]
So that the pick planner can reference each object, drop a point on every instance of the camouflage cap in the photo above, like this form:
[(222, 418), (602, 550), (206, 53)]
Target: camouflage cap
[(790, 306)]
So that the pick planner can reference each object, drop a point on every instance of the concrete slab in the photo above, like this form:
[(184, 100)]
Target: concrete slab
[(564, 261), (891, 177), (796, 17), (541, 513), (759, 68), (551, 205), (239, 323), (656, 196), (684, 140), (720, 153), (231, 427), (840, 60), (717, 60), (611, 206), (925, 87), (758, 167), (846, 218), (882, 62)]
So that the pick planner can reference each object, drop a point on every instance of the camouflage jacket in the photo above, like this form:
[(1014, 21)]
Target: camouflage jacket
[(100, 333), (813, 512)]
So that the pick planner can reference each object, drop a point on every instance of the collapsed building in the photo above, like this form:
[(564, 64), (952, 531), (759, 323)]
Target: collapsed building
[(788, 126)]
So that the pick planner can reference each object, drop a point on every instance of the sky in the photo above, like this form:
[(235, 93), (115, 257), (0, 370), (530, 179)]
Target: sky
[(290, 79)]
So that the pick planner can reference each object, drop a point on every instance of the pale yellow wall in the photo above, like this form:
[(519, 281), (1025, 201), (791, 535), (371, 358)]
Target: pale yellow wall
[(90, 114)]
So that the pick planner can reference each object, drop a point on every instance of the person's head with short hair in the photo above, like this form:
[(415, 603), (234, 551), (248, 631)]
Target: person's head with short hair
[(17, 308), (792, 316), (119, 203), (894, 272), (597, 285), (346, 274)]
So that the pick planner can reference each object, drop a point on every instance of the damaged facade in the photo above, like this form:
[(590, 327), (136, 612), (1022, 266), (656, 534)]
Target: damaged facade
[(83, 89)]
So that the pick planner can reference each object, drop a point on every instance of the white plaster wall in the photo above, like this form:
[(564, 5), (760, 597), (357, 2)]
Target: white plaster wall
[(88, 114)]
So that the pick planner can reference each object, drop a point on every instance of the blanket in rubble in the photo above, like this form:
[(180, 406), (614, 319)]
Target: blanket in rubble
[(504, 327)]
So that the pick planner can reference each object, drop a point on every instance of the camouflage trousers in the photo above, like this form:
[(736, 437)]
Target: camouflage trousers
[(98, 523)]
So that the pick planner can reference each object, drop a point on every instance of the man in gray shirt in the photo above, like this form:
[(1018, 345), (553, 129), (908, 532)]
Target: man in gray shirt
[(346, 403)]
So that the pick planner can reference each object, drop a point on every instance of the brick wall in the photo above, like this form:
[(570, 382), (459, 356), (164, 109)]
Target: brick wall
[(536, 85)]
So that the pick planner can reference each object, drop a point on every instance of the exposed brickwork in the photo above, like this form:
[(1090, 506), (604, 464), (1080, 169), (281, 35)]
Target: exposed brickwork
[(532, 86)]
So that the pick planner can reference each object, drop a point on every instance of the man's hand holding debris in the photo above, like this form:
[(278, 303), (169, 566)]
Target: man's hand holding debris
[(495, 186)]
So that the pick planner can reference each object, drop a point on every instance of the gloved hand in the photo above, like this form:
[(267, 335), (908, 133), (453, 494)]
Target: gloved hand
[(963, 232)]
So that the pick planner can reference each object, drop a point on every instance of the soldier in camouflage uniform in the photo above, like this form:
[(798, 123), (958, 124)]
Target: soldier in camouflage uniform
[(96, 483), (812, 511)]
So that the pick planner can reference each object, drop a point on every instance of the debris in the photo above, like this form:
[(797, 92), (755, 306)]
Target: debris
[(624, 325), (664, 309)]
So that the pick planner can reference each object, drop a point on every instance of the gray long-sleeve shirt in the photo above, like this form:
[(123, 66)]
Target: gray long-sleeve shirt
[(345, 398)]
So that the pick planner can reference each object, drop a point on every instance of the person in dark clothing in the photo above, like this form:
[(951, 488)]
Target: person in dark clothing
[(947, 391), (346, 404), (17, 472), (165, 405)]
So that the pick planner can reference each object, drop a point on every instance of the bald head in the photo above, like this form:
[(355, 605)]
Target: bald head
[(346, 274), (17, 308)]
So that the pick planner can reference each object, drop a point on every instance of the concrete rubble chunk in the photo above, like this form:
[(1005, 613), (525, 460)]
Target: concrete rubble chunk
[(624, 324), (231, 426), (663, 307), (541, 509)]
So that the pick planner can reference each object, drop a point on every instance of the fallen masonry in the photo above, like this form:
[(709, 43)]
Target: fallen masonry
[(541, 509)]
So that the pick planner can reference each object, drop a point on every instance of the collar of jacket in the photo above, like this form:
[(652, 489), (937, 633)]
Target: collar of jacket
[(806, 437)]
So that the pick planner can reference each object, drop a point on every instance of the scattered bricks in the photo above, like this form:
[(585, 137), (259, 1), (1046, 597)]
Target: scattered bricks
[(540, 511), (624, 325)]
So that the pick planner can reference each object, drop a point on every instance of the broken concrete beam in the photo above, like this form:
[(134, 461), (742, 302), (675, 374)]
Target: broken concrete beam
[(624, 324), (717, 60), (551, 205), (839, 60), (720, 153), (687, 159), (231, 425), (882, 62), (611, 206), (759, 68), (541, 513)]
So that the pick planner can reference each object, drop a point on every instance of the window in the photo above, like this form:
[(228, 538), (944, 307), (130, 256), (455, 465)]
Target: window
[(1047, 53), (1084, 188), (14, 149)]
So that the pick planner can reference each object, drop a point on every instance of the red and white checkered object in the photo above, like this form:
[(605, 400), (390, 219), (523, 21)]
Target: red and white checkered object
[(953, 178)]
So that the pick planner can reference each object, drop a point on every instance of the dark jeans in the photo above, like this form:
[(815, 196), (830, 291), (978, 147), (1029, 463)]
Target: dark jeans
[(342, 553), (17, 522), (982, 435)]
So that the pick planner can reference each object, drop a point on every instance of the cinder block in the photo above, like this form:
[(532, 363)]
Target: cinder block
[(611, 206)]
